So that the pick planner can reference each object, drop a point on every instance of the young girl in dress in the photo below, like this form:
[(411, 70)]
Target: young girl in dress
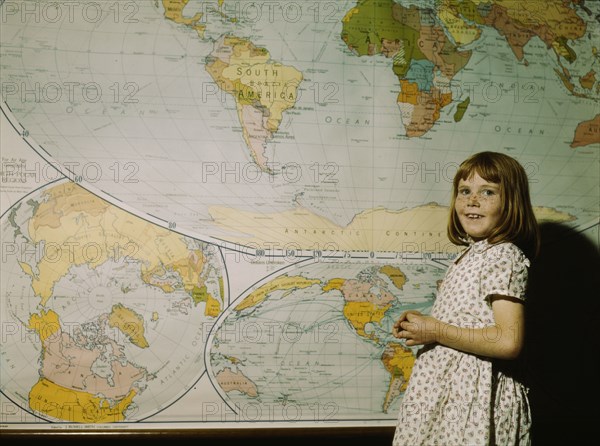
[(459, 391)]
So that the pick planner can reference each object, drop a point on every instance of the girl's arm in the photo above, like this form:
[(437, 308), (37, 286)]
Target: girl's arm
[(503, 340)]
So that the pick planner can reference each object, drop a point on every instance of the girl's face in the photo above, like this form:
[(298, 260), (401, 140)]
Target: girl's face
[(477, 206)]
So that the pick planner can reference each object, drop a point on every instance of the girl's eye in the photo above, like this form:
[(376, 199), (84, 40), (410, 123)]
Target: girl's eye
[(488, 192), (464, 191)]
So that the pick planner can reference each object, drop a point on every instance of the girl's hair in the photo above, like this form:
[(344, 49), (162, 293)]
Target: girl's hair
[(518, 224)]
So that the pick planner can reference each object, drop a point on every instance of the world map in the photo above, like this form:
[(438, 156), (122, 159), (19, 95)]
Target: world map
[(213, 211), (110, 308), (281, 343)]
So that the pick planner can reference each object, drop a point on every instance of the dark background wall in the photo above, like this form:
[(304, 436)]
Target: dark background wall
[(563, 348)]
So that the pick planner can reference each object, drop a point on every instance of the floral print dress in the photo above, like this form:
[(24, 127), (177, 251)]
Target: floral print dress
[(456, 398)]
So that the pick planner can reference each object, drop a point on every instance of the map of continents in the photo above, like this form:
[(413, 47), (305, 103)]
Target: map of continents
[(111, 308), (426, 58), (288, 131), (428, 49), (315, 342)]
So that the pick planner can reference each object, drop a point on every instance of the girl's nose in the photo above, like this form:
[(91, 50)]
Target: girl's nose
[(473, 200)]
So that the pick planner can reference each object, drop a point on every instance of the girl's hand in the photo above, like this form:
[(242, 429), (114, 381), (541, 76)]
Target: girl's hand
[(416, 328), (503, 339)]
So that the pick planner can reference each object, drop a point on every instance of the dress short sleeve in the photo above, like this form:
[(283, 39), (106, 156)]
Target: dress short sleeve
[(504, 272)]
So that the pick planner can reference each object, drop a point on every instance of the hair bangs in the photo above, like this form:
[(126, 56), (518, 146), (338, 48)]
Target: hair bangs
[(485, 166)]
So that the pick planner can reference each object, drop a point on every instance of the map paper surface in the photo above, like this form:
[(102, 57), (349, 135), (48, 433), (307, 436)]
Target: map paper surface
[(214, 211)]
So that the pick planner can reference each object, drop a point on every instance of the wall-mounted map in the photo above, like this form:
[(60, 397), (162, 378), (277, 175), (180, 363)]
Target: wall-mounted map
[(213, 211)]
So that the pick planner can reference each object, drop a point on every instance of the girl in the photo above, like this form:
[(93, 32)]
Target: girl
[(458, 393)]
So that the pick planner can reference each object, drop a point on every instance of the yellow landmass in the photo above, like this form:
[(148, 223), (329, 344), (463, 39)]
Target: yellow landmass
[(190, 269), (75, 406), (546, 214), (263, 89), (395, 274), (253, 78), (399, 362), (461, 32), (537, 12), (213, 307), (361, 313), (46, 324), (174, 11), (558, 20), (560, 49), (26, 267), (201, 294), (349, 15), (420, 229), (409, 92), (129, 323), (280, 283), (64, 199), (334, 284), (233, 359), (79, 228), (270, 85)]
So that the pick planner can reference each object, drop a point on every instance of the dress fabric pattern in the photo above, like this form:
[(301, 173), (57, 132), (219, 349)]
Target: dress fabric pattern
[(456, 398)]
